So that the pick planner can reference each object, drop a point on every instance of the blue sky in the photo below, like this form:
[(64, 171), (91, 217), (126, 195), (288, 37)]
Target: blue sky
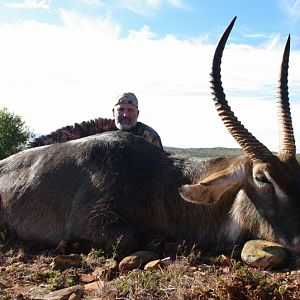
[(63, 62), (183, 19)]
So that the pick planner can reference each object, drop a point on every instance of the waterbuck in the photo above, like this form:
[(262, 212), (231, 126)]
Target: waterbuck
[(115, 186)]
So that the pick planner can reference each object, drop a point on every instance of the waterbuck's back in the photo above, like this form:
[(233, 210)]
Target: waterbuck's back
[(40, 187), (102, 187)]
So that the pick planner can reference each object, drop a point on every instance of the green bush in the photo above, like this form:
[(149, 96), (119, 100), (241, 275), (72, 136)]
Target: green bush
[(13, 133)]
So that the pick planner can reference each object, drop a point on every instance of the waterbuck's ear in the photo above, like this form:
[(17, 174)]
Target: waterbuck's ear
[(211, 188)]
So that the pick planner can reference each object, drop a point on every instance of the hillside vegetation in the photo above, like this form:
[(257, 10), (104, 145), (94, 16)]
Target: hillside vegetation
[(209, 152), (206, 152)]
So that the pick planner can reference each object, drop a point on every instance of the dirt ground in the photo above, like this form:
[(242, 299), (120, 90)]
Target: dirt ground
[(27, 271)]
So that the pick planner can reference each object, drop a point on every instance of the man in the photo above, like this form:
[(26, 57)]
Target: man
[(125, 113)]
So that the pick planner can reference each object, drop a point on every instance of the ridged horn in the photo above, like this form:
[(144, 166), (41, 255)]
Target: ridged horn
[(287, 149), (250, 145)]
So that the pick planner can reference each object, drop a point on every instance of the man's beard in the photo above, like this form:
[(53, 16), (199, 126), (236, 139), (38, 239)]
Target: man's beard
[(125, 126)]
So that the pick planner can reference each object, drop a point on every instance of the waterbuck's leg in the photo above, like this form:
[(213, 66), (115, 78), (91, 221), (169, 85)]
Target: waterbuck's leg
[(74, 246), (121, 236), (96, 217), (109, 237)]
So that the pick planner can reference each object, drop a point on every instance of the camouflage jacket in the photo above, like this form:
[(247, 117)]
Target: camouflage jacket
[(79, 130)]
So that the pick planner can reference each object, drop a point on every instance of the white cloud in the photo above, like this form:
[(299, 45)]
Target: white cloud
[(292, 10), (153, 3), (103, 26), (148, 7), (73, 73), (177, 3), (292, 6), (92, 2), (141, 7), (30, 4), (143, 33)]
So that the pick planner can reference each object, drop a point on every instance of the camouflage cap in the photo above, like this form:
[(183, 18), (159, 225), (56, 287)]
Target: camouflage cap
[(127, 98)]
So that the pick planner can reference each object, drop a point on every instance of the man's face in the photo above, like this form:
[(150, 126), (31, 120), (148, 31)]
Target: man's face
[(125, 116)]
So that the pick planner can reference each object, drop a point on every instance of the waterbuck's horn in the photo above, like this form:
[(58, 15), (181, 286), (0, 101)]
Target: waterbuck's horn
[(287, 150), (250, 145)]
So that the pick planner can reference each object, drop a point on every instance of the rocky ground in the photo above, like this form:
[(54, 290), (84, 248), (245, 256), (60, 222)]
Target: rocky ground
[(31, 273)]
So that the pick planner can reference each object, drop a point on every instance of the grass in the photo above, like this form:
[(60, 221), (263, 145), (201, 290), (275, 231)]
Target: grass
[(180, 280), (210, 152), (206, 152), (192, 275)]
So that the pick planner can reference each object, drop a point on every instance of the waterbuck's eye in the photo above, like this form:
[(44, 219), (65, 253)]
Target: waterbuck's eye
[(261, 178)]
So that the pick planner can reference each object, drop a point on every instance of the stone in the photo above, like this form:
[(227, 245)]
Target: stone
[(158, 264), (62, 262), (77, 247), (136, 260), (152, 265), (164, 262), (224, 260), (75, 296), (107, 271), (65, 293), (87, 278), (94, 286), (264, 254), (111, 264)]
